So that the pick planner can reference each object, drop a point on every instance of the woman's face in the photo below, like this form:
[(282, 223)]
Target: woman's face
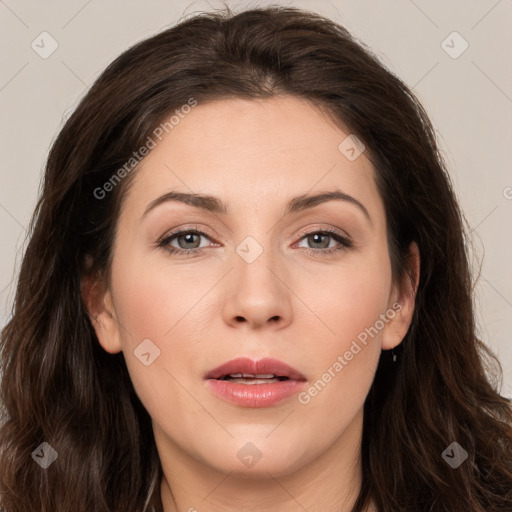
[(259, 280)]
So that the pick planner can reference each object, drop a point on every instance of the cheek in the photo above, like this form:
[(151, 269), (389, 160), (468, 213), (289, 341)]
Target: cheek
[(348, 350), (348, 298), (160, 304), (159, 309), (154, 299), (348, 301)]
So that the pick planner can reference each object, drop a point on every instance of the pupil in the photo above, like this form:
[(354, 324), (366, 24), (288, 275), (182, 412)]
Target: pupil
[(317, 235), (188, 239)]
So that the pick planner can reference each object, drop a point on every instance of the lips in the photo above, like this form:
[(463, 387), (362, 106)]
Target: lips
[(244, 367), (247, 383)]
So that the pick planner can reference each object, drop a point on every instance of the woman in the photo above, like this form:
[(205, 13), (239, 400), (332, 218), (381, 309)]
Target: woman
[(247, 288)]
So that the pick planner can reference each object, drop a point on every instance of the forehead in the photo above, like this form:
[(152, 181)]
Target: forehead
[(252, 151)]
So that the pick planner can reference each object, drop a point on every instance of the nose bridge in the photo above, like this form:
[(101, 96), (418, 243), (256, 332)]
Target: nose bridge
[(257, 292), (256, 264)]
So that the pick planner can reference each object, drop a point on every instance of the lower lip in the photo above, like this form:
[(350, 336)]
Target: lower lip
[(255, 395)]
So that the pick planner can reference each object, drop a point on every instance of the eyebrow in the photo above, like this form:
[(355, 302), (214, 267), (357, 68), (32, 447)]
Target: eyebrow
[(215, 205)]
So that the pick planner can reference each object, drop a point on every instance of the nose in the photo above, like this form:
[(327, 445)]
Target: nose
[(257, 294)]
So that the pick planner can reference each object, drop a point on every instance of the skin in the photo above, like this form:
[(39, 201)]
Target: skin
[(304, 309)]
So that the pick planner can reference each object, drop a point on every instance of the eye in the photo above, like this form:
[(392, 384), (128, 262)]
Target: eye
[(187, 239), (188, 242), (322, 242)]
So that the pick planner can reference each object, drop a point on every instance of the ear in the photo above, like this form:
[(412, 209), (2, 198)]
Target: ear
[(100, 307), (402, 301)]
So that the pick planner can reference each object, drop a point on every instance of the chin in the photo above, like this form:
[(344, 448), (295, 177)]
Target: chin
[(247, 461)]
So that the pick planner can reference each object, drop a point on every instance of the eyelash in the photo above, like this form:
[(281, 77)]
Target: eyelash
[(345, 242)]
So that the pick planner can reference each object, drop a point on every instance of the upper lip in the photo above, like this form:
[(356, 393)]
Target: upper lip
[(261, 367)]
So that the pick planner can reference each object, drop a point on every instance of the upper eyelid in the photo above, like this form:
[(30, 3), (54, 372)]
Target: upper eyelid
[(330, 231), (186, 229)]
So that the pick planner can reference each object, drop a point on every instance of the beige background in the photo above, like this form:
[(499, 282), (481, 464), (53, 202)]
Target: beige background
[(469, 99)]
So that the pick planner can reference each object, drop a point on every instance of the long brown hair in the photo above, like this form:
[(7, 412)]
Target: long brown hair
[(59, 386)]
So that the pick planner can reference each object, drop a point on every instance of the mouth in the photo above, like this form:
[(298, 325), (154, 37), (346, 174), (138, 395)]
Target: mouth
[(247, 378), (248, 371), (249, 383)]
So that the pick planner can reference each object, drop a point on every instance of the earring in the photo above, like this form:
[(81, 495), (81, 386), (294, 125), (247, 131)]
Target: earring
[(393, 354)]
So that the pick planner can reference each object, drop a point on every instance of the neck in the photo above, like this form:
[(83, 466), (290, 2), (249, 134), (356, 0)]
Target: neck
[(328, 483)]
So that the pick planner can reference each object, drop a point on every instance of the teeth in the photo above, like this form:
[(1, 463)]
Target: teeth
[(251, 376), (250, 379), (253, 381)]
